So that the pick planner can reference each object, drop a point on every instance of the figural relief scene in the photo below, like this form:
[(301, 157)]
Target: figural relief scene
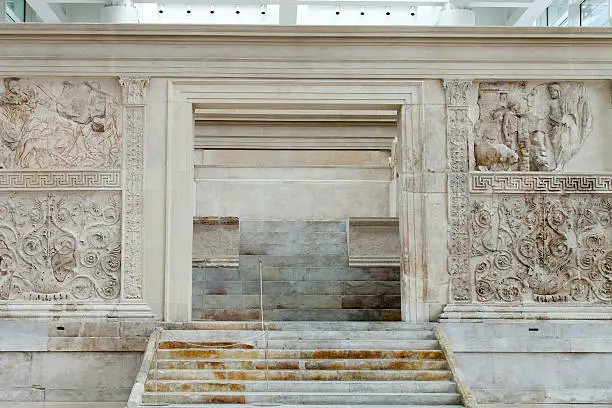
[(60, 246), (57, 124), (523, 127)]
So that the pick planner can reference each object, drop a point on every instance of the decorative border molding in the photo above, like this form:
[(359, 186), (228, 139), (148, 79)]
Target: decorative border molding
[(60, 180), (458, 130), (133, 89), (514, 182)]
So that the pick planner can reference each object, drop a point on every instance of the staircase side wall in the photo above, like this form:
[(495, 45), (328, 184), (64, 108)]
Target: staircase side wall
[(527, 363)]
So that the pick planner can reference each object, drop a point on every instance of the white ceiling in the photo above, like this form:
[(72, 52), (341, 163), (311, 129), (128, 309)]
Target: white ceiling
[(305, 12)]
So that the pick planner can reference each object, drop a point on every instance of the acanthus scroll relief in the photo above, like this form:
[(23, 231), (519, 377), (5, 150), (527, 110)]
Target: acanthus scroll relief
[(458, 128), (60, 246), (57, 124), (523, 128), (537, 248), (134, 91)]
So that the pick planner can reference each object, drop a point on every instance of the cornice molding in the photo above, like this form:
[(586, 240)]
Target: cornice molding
[(295, 52), (83, 32)]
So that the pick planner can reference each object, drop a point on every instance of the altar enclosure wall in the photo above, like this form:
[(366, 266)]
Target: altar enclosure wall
[(510, 183)]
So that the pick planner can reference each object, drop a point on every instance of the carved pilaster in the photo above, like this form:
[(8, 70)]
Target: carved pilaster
[(458, 128), (133, 90)]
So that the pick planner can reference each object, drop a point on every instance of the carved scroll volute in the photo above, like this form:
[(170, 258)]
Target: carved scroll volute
[(458, 128), (133, 89)]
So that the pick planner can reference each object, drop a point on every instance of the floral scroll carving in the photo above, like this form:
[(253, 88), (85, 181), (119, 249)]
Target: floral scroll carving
[(60, 246), (133, 89), (59, 124), (458, 129), (537, 248), (530, 129)]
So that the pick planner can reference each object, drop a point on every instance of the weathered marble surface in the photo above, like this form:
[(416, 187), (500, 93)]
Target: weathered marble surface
[(58, 247), (535, 362), (59, 124), (520, 232)]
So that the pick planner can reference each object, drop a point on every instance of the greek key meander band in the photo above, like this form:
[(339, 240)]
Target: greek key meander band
[(539, 183), (77, 180)]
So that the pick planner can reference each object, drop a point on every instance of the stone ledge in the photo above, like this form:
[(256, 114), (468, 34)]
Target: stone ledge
[(591, 396), (45, 404), (216, 220), (71, 335), (471, 312), (76, 310)]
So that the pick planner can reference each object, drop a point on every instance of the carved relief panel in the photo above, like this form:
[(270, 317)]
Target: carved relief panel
[(532, 233), (60, 246), (538, 248), (61, 191), (55, 124), (530, 128)]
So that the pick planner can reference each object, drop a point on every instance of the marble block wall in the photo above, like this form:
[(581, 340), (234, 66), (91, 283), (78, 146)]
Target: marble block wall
[(69, 361), (306, 276), (293, 185), (529, 363)]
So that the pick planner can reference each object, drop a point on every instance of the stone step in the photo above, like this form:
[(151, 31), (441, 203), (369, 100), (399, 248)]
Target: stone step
[(233, 353), (297, 344), (260, 405), (302, 375), (250, 335), (300, 386), (301, 326), (301, 398), (296, 364)]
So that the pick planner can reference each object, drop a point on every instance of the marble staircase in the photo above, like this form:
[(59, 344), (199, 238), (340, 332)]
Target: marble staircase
[(305, 364)]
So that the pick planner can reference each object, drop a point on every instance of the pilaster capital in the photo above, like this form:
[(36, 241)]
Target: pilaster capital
[(457, 91), (133, 89)]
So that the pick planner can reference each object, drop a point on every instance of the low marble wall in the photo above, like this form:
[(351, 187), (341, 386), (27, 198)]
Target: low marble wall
[(306, 276), (534, 363), (68, 361)]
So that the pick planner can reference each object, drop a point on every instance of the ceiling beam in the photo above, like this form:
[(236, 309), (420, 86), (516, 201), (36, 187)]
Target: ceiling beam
[(499, 4), (47, 12), (526, 16)]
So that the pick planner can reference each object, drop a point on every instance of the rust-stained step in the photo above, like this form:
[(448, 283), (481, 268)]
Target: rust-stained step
[(308, 364), (302, 364), (223, 353), (301, 398), (248, 335), (292, 326), (302, 386), (302, 375), (204, 345), (296, 344)]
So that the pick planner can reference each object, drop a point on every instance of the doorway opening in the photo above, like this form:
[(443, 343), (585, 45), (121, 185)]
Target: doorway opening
[(307, 193)]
